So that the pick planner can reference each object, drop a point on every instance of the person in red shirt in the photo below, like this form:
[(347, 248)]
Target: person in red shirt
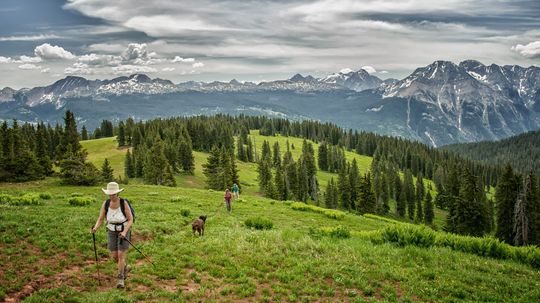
[(228, 198)]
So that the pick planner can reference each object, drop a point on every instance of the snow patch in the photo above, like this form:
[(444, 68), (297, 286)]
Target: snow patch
[(375, 109)]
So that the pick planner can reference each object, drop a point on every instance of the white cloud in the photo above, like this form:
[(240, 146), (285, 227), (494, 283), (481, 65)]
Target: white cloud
[(135, 51), (531, 50), (167, 26), (101, 60), (5, 59), (369, 69), (29, 66), (132, 69), (168, 69), (47, 51), (197, 64), (45, 70), (26, 59), (29, 38), (180, 59), (79, 69)]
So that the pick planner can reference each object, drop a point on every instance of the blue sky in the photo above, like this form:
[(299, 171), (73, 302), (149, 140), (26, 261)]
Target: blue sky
[(44, 40)]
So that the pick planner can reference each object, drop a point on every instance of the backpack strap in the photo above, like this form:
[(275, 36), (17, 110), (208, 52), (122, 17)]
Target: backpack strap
[(122, 206)]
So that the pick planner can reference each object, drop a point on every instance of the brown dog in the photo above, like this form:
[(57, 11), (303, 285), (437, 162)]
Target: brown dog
[(198, 225)]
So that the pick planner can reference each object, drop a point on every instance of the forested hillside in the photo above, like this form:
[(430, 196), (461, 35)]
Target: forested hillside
[(522, 152)]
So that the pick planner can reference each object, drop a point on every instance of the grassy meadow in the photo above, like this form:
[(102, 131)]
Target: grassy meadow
[(308, 255)]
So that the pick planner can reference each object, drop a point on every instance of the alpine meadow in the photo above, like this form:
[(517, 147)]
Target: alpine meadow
[(269, 151)]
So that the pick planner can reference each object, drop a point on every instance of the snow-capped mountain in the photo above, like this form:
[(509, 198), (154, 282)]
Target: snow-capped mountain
[(354, 80), (475, 101), (438, 104)]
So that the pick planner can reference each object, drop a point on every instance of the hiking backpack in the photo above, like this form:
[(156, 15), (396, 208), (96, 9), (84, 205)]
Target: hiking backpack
[(122, 201)]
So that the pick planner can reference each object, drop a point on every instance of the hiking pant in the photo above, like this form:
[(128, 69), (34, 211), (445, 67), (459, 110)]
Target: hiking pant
[(228, 203)]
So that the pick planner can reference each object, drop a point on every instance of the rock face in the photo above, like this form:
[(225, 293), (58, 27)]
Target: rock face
[(438, 104)]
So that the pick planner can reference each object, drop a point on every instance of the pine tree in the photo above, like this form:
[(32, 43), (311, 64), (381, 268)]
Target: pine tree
[(280, 186), (186, 158), (506, 195), (331, 196), (366, 202), (265, 175), (107, 171), (212, 170), (155, 166), (70, 136), (168, 177), (84, 133), (302, 186), (250, 154), (428, 210), (276, 155), (241, 150), (129, 169), (530, 196), (266, 154), (121, 134), (344, 189), (408, 189), (323, 157), (354, 182)]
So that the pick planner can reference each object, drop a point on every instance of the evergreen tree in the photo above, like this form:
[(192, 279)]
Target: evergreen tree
[(265, 175), (266, 154), (241, 150), (250, 154), (302, 186), (121, 134), (354, 181), (366, 202), (168, 177), (129, 169), (344, 188), (276, 155), (428, 210), (408, 189), (331, 196), (186, 158), (155, 166), (506, 195), (84, 133), (280, 186), (530, 197), (323, 157), (107, 171), (212, 170), (70, 136)]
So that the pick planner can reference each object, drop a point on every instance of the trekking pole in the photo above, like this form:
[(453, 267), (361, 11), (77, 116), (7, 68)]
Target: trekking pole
[(97, 264), (139, 251)]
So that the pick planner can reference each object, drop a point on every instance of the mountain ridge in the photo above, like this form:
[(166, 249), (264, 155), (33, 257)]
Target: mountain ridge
[(439, 104)]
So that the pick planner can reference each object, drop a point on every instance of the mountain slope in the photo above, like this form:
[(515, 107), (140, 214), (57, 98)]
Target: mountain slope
[(522, 152), (439, 104)]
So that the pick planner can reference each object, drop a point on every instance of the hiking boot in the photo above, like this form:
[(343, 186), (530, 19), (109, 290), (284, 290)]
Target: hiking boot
[(120, 282), (127, 269)]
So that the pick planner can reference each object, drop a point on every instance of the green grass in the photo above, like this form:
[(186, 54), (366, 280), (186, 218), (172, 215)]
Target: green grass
[(305, 256)]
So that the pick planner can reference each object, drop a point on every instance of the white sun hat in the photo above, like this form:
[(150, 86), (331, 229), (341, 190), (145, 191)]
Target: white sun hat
[(112, 188)]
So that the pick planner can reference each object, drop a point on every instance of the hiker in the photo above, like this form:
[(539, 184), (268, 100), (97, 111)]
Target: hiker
[(235, 191), (228, 197), (118, 227)]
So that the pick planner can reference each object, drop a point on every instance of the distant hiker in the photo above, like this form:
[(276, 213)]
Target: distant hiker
[(235, 191), (119, 217), (228, 197)]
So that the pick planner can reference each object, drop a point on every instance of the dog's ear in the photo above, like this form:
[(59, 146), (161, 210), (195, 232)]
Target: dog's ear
[(203, 218)]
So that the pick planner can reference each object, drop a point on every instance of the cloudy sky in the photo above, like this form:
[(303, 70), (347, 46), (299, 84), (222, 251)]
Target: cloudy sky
[(43, 41)]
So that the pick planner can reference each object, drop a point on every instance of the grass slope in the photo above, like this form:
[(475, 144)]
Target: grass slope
[(46, 255)]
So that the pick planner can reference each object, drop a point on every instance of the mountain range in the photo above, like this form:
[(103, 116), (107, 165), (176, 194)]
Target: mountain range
[(439, 104)]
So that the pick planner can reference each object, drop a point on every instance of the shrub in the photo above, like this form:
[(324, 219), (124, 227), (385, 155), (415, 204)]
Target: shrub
[(5, 198), (409, 235), (76, 194), (26, 199), (45, 196), (185, 212), (338, 232), (330, 213), (259, 223), (80, 201)]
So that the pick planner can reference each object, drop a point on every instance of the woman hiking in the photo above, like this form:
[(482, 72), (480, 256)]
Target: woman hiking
[(119, 218), (228, 197)]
